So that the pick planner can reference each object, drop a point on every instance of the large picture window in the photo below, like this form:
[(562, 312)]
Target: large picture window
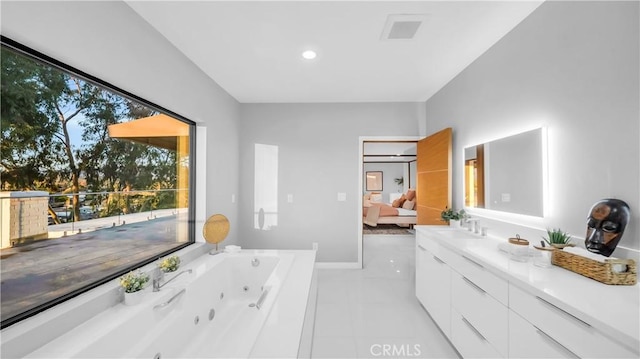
[(94, 181)]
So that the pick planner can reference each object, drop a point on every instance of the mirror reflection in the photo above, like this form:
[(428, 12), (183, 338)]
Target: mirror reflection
[(506, 174)]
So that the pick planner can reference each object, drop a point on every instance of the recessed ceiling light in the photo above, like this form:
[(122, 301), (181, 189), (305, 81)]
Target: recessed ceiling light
[(309, 54)]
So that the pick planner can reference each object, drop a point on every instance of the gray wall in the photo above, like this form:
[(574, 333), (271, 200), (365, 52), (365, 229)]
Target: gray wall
[(318, 158), (571, 66), (110, 41)]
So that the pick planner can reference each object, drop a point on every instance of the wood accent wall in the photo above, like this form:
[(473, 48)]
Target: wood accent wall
[(434, 176), (480, 176)]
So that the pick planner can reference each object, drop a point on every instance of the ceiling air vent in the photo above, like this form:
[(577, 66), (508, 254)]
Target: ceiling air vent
[(402, 26)]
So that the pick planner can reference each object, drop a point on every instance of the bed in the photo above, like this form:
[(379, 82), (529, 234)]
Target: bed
[(400, 212)]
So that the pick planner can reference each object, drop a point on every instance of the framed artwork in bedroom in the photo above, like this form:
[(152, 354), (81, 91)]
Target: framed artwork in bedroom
[(374, 181)]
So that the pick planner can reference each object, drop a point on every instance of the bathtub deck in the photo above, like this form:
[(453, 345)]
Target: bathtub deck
[(278, 333)]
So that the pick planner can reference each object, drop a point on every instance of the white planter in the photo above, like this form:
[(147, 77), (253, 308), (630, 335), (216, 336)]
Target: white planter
[(133, 298), (454, 223)]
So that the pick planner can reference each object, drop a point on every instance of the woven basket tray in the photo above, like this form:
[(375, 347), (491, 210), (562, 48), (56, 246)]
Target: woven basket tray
[(602, 272)]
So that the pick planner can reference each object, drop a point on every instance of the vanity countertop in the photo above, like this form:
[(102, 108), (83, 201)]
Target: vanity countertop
[(613, 309)]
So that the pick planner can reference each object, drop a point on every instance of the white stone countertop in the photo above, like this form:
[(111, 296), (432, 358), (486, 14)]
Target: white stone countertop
[(614, 310)]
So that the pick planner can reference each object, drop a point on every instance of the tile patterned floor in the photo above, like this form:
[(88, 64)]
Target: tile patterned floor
[(373, 312)]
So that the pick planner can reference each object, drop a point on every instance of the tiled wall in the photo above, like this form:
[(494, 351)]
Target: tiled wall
[(24, 217)]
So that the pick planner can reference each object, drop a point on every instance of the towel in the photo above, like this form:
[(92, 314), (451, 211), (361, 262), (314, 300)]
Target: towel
[(232, 249)]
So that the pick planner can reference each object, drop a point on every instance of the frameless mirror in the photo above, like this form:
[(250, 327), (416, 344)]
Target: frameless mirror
[(506, 174)]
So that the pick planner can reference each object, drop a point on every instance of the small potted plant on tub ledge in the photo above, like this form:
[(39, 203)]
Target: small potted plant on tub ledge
[(169, 264), (133, 283)]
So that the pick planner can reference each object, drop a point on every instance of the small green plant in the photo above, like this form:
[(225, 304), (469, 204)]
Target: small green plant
[(399, 182), (452, 215), (170, 264), (557, 236), (134, 281)]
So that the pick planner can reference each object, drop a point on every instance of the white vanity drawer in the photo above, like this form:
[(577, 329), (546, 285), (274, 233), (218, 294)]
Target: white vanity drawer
[(485, 313), (444, 254), (433, 288), (527, 341), (572, 332), (424, 242), (469, 342), (478, 274)]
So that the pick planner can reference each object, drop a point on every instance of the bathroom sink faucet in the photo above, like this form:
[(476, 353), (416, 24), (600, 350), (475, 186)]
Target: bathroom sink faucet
[(472, 225), (157, 277)]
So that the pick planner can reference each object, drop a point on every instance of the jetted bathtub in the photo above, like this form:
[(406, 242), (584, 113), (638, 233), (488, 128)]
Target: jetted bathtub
[(249, 304)]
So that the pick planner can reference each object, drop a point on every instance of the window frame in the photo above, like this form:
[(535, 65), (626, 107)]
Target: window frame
[(49, 61)]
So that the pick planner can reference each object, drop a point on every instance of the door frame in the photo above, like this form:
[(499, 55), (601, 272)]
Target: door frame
[(362, 140)]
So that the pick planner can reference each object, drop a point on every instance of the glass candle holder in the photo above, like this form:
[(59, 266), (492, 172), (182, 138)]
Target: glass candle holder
[(543, 259)]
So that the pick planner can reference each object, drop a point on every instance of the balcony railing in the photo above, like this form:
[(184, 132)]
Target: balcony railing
[(35, 215), (44, 263)]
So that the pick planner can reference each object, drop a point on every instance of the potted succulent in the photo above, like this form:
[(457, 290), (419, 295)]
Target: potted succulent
[(449, 215), (169, 264), (132, 283), (558, 238)]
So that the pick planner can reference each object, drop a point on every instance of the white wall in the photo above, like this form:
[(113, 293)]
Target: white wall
[(318, 158), (110, 41), (413, 170), (571, 66)]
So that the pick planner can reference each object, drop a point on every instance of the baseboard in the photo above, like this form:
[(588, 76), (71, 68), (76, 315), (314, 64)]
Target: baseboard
[(338, 265)]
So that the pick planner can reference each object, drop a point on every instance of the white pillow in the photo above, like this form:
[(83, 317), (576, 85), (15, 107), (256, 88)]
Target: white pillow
[(376, 197)]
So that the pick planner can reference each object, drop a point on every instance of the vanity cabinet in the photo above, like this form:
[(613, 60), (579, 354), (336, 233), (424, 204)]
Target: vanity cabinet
[(452, 287), (433, 286), (483, 313), (491, 307), (468, 340), (570, 335), (528, 342)]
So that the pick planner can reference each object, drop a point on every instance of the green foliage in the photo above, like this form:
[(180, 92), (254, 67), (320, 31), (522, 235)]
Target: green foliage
[(170, 264), (40, 105), (27, 135), (557, 236), (451, 214), (134, 281)]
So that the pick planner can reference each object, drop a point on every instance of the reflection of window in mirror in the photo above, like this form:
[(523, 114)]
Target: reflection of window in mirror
[(474, 176), (506, 174), (374, 181)]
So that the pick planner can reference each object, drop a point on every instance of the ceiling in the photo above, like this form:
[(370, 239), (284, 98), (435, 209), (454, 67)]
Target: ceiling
[(389, 152), (253, 49)]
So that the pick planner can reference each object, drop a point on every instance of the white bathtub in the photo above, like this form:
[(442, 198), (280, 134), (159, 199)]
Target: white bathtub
[(214, 312)]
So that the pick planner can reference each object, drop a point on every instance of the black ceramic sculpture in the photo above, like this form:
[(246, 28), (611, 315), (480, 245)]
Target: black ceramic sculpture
[(605, 225)]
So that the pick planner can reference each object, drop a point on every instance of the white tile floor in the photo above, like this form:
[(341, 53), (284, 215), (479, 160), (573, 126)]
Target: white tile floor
[(373, 312)]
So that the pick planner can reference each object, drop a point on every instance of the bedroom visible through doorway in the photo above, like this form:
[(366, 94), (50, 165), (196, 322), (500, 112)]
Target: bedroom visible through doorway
[(389, 178)]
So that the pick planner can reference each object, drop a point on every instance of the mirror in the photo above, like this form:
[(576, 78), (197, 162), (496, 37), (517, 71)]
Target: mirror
[(506, 174)]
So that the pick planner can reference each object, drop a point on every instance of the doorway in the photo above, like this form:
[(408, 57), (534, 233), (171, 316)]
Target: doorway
[(386, 169)]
